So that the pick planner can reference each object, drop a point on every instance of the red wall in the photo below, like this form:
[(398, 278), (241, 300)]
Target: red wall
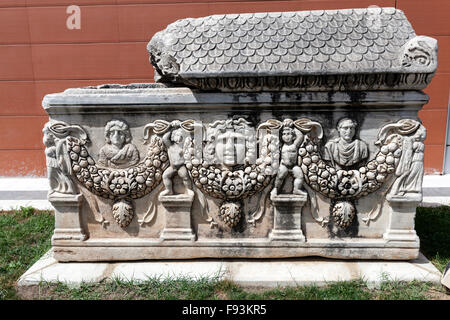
[(39, 55)]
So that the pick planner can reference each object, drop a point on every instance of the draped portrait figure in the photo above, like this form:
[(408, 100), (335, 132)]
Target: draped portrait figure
[(346, 151)]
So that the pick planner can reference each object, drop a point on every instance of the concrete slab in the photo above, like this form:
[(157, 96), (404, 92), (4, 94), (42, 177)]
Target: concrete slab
[(263, 273)]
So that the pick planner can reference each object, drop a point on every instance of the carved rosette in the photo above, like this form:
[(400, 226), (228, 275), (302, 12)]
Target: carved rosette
[(341, 185), (133, 182), (120, 185), (233, 183), (228, 184), (351, 184)]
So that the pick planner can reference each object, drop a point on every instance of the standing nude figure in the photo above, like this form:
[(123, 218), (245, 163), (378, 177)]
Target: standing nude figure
[(174, 141), (292, 139)]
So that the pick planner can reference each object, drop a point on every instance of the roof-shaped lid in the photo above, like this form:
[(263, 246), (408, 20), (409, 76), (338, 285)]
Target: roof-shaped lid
[(310, 50)]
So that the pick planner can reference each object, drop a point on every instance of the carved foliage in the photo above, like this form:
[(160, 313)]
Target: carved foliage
[(343, 213), (120, 185), (133, 182), (229, 169), (123, 212), (230, 213), (343, 183), (231, 177), (347, 185)]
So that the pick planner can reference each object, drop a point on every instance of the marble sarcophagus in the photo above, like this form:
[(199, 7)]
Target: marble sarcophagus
[(266, 135)]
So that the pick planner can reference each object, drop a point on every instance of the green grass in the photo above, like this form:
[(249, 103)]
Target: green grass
[(433, 229), (151, 289), (215, 289), (25, 237)]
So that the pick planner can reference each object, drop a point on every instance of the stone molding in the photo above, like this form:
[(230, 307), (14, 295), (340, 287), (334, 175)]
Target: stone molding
[(67, 217), (269, 135), (178, 217), (245, 173), (322, 50), (287, 217)]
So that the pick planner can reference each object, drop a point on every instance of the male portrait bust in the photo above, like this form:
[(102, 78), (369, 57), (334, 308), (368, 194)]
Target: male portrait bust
[(118, 152), (346, 151)]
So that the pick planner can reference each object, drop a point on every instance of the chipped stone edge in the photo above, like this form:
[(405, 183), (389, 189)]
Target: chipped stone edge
[(272, 273)]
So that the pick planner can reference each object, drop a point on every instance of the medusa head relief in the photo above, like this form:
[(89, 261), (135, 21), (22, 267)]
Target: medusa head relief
[(230, 143)]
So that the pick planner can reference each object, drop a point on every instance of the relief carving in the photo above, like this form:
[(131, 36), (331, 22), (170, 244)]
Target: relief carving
[(346, 150), (291, 138), (293, 51), (58, 162), (410, 170), (293, 135), (229, 168), (343, 213), (344, 186), (118, 184), (174, 136), (118, 152), (230, 143), (420, 52)]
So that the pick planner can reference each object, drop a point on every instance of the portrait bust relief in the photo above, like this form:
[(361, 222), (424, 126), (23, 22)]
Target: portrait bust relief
[(346, 150), (118, 152)]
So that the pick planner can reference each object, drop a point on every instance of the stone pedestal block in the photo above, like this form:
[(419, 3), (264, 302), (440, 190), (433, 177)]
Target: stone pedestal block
[(287, 217), (178, 217), (67, 216), (401, 217)]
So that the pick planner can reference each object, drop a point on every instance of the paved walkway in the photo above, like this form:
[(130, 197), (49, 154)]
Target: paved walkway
[(17, 192)]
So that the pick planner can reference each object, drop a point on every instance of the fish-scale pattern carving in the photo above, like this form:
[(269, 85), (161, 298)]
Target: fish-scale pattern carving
[(287, 42)]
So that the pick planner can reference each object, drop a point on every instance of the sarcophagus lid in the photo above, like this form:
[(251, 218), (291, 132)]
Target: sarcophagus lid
[(322, 50)]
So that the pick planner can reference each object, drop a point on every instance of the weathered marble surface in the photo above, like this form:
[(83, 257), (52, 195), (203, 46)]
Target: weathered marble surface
[(283, 158), (268, 273), (445, 281), (141, 238), (305, 50)]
